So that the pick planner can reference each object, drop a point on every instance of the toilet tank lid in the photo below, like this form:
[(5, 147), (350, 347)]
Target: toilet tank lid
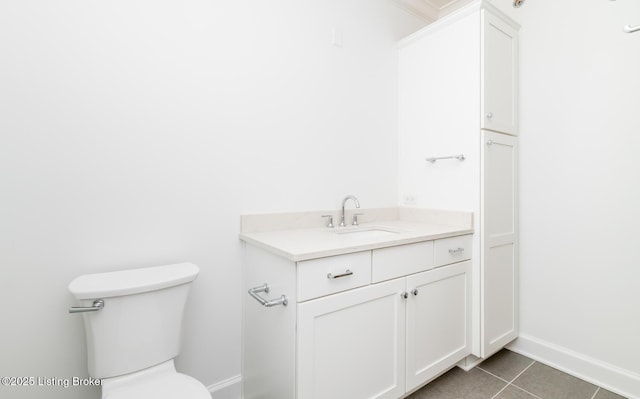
[(132, 281)]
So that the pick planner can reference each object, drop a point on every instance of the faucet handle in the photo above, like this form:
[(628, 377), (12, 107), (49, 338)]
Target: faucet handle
[(355, 218), (330, 220)]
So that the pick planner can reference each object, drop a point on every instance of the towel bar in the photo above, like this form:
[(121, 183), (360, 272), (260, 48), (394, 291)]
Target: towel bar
[(265, 302), (459, 157)]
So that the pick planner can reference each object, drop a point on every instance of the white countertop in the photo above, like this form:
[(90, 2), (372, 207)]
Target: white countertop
[(299, 244)]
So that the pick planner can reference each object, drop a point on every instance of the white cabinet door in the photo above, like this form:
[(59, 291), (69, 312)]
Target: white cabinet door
[(438, 321), (499, 229), (499, 75), (351, 344)]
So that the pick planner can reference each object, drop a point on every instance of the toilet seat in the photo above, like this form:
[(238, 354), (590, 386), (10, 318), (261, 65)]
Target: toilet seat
[(159, 382)]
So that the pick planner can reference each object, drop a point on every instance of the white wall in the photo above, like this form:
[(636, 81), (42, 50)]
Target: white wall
[(580, 174), (134, 133)]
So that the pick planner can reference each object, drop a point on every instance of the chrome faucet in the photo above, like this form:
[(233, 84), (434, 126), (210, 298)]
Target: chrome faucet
[(344, 201)]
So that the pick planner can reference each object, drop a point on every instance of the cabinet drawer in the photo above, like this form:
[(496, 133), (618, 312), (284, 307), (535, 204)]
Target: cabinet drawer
[(392, 262), (324, 276), (452, 250)]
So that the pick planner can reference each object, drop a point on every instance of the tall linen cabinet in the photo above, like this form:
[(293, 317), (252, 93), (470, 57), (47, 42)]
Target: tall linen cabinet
[(458, 95)]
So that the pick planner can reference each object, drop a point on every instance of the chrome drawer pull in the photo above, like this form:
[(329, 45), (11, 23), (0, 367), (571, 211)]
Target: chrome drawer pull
[(265, 302), (97, 305), (348, 272), (456, 251)]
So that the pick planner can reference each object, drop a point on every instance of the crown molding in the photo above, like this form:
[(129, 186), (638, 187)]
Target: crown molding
[(420, 8), (431, 10)]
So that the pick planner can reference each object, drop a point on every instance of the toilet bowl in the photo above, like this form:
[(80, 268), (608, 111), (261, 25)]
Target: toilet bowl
[(133, 324)]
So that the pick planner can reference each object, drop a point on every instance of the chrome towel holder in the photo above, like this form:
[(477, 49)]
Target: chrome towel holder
[(459, 157), (265, 302)]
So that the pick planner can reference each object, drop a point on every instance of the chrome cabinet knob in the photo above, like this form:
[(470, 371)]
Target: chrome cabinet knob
[(489, 115)]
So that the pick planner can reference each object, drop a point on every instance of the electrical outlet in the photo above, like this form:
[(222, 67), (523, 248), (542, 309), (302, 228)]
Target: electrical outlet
[(409, 199), (336, 36)]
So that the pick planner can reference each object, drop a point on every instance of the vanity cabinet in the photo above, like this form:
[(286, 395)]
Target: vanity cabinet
[(458, 94), (340, 338)]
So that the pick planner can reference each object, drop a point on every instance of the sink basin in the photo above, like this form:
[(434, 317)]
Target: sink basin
[(369, 232)]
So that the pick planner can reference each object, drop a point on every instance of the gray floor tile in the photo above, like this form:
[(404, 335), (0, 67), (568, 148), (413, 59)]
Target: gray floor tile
[(549, 383), (604, 394), (460, 384), (506, 364), (512, 392)]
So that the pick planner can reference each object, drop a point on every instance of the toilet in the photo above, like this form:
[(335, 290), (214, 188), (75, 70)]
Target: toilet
[(133, 323)]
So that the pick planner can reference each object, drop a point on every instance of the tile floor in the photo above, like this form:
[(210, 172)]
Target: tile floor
[(508, 375)]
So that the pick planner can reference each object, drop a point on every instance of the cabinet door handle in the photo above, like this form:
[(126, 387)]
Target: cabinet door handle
[(489, 115), (414, 292), (348, 272), (456, 251), (404, 295), (491, 142)]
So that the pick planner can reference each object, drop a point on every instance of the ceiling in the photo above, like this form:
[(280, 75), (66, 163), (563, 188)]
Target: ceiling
[(431, 10)]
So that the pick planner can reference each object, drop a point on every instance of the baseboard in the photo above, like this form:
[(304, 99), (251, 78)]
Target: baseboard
[(608, 376), (226, 389), (469, 362)]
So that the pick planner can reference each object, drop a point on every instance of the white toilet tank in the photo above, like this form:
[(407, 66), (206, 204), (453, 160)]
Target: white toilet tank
[(141, 321)]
